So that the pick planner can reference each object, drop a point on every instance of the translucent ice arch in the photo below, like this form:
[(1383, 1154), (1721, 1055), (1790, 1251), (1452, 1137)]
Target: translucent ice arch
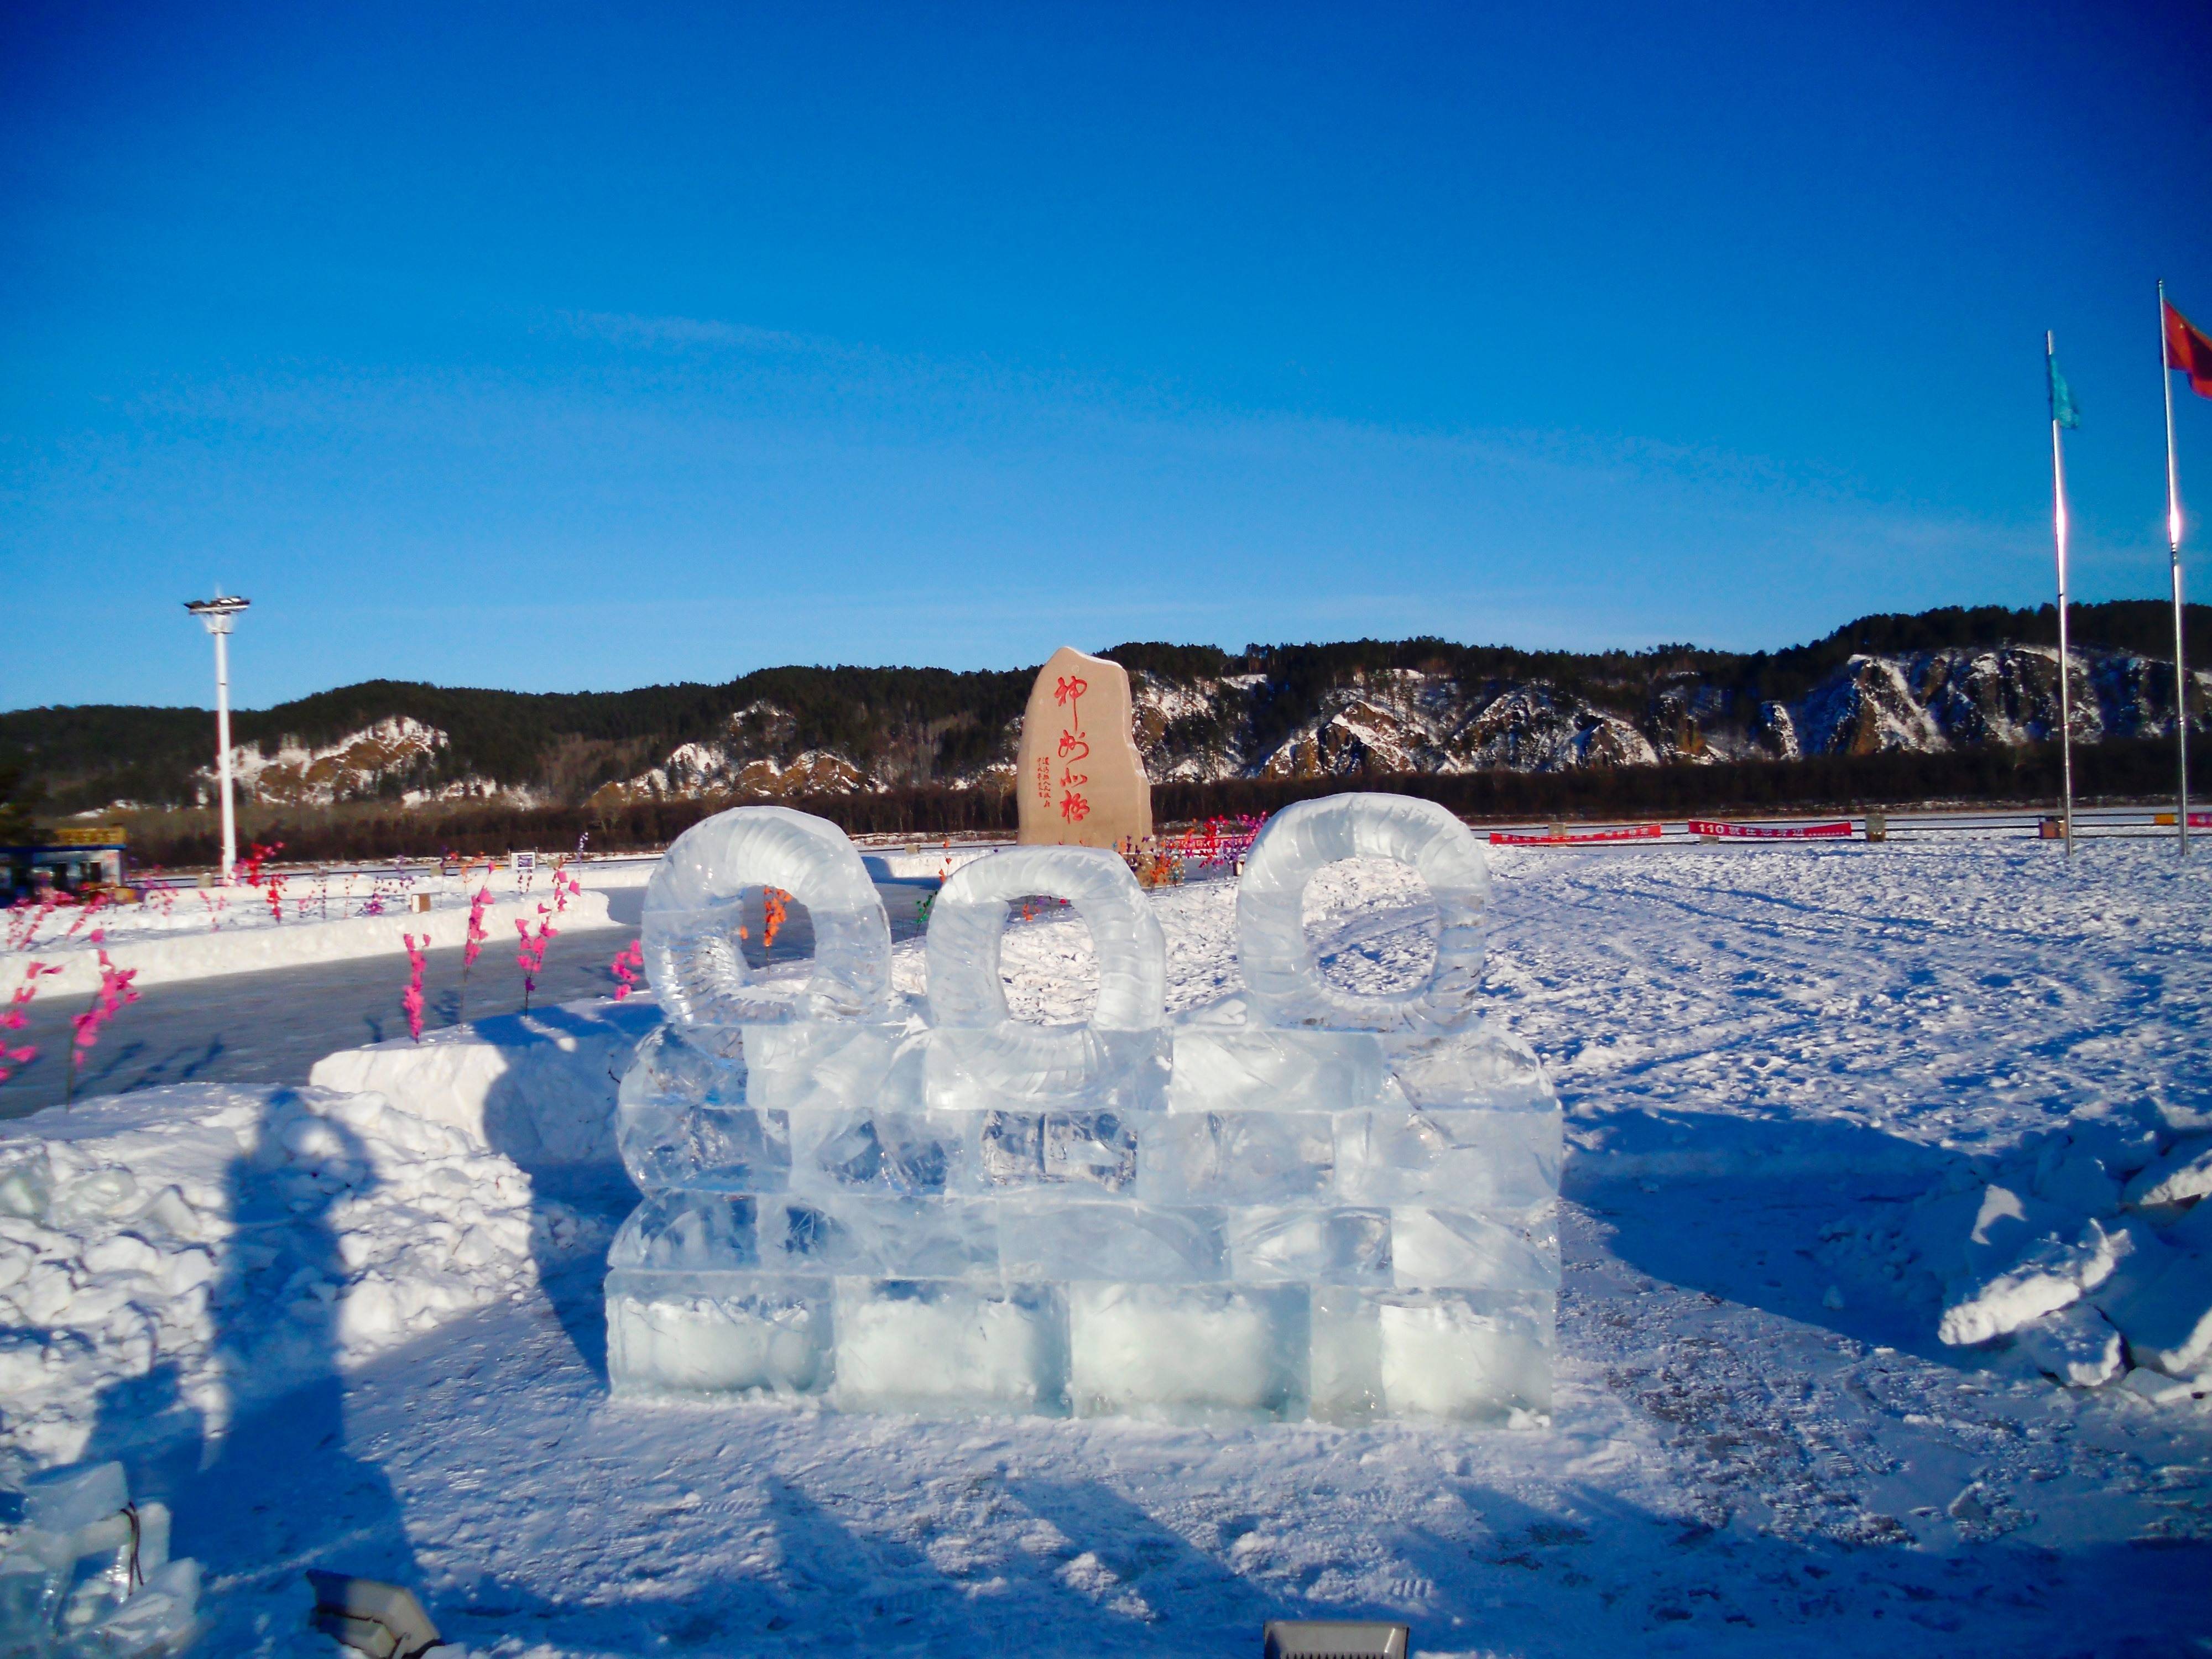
[(1003, 1059), (1282, 971), (692, 950), (968, 923)]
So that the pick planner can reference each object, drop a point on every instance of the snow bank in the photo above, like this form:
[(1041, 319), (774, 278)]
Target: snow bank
[(243, 950), (228, 1244), (539, 1088)]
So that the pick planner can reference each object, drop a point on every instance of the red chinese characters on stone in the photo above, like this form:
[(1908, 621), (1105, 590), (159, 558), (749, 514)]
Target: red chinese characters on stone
[(1074, 745)]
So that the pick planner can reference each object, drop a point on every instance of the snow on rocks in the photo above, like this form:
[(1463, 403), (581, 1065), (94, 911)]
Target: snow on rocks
[(2077, 1345), (2053, 1255), (2183, 1174), (2161, 1300), (2024, 1258), (230, 1243)]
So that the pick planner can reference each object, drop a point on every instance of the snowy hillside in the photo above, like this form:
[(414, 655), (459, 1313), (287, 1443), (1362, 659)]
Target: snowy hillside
[(1938, 681)]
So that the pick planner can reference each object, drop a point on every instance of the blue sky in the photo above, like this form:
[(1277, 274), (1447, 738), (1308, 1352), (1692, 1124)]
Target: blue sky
[(554, 348)]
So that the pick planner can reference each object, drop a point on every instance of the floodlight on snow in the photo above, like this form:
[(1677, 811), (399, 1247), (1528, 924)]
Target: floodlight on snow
[(382, 1620), (1330, 1638), (216, 616)]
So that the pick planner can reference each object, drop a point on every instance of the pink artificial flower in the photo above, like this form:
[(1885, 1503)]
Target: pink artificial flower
[(477, 935), (114, 993), (13, 1018), (626, 966), (411, 1000)]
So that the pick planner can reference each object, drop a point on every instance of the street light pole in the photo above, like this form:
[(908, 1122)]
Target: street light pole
[(216, 615)]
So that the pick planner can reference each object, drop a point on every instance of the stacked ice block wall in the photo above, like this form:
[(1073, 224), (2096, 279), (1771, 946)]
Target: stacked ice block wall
[(1309, 1202)]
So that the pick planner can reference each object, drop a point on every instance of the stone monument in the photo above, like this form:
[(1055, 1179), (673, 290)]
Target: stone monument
[(1081, 781)]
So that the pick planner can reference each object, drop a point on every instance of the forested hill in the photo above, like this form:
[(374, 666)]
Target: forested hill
[(1941, 678)]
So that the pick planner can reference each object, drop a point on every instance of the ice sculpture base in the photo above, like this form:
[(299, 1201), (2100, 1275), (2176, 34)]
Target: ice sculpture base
[(1184, 1353)]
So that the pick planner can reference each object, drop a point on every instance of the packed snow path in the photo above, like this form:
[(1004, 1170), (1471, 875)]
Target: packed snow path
[(1758, 1447)]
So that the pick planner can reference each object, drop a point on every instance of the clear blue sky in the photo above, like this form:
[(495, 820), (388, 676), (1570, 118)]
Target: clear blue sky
[(554, 348)]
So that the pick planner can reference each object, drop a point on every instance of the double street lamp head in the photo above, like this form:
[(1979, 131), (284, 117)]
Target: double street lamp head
[(218, 614)]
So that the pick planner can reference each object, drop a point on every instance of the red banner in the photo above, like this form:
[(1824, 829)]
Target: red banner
[(1766, 832), (1581, 838)]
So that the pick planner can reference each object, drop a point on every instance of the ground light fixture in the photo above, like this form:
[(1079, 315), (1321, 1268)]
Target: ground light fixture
[(216, 616), (1331, 1638)]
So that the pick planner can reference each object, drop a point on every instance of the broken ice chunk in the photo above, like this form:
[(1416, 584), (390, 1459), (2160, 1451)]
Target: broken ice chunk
[(162, 1616), (2161, 1300), (2070, 1173), (2163, 1390), (67, 1500)]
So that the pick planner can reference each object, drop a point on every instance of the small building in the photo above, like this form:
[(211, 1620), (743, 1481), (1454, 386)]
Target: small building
[(72, 860)]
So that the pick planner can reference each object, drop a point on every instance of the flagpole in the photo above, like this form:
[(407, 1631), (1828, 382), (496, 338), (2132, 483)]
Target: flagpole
[(2174, 552), (2059, 534)]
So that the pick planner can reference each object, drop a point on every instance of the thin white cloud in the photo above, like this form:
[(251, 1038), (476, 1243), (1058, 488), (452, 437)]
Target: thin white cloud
[(664, 333)]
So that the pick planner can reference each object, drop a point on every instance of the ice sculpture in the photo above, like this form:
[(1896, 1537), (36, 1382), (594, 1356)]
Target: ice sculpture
[(88, 1574), (1312, 1204)]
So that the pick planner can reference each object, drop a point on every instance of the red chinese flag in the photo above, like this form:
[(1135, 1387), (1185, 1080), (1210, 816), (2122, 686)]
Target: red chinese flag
[(2188, 351)]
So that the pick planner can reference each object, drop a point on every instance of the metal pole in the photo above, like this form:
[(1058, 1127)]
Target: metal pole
[(2173, 551), (216, 616), (222, 747), (2058, 532)]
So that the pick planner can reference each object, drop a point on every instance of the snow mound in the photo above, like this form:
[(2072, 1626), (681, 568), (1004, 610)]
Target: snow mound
[(238, 1241)]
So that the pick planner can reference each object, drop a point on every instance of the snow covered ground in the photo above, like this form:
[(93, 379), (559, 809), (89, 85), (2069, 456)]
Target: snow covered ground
[(1779, 1065)]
